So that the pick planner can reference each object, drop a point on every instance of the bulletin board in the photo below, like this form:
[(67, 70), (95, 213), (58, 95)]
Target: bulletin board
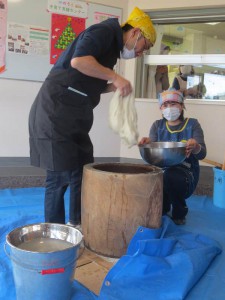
[(33, 13)]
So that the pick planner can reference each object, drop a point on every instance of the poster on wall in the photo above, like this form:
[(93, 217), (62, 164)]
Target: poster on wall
[(39, 40), (27, 39), (3, 32), (100, 17), (70, 8), (64, 30)]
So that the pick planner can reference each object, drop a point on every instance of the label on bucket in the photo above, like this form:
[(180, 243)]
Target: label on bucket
[(52, 271)]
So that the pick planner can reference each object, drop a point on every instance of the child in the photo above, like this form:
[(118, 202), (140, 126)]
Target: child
[(180, 181)]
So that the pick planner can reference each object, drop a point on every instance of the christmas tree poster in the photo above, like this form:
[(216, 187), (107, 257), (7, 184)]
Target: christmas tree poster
[(64, 30)]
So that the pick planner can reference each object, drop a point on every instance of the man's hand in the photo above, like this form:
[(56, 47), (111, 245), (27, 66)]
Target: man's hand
[(122, 84)]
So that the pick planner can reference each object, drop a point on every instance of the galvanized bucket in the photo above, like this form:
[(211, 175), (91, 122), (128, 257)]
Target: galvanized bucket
[(43, 259)]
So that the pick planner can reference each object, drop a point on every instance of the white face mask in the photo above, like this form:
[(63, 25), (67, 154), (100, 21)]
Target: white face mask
[(126, 53), (171, 113), (185, 70)]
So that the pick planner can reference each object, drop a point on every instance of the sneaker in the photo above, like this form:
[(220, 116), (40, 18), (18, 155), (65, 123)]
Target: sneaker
[(77, 226), (179, 221)]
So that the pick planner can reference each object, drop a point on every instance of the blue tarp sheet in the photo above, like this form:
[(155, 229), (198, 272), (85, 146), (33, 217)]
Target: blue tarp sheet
[(173, 262), (162, 264)]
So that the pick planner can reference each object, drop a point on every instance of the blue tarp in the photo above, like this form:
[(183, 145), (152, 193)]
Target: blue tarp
[(160, 263)]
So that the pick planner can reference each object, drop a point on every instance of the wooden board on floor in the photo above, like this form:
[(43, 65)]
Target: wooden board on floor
[(91, 270)]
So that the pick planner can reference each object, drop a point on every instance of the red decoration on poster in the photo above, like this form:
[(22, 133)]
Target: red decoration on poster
[(64, 30)]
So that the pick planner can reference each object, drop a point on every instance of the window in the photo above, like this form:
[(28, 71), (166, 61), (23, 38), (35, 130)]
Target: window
[(191, 38)]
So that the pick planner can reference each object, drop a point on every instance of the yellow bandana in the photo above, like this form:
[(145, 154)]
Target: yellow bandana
[(139, 19)]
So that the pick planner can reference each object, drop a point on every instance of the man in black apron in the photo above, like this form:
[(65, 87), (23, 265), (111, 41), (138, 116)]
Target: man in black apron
[(62, 113)]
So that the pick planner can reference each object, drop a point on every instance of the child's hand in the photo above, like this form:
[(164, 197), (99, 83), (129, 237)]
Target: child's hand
[(192, 147)]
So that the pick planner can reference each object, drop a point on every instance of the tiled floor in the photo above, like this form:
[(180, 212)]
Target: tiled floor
[(16, 172)]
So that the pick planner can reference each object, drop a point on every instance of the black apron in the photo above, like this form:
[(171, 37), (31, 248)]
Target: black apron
[(59, 123)]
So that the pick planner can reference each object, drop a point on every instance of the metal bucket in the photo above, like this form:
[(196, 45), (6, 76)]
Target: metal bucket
[(43, 258)]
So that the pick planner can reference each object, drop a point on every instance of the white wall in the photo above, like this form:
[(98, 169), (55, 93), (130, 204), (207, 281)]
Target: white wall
[(106, 142), (15, 102)]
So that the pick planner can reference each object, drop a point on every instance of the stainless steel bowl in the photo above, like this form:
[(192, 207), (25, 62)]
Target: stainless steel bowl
[(163, 154)]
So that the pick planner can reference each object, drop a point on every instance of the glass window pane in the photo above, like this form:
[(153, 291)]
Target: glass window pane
[(194, 38), (202, 82), (197, 82)]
